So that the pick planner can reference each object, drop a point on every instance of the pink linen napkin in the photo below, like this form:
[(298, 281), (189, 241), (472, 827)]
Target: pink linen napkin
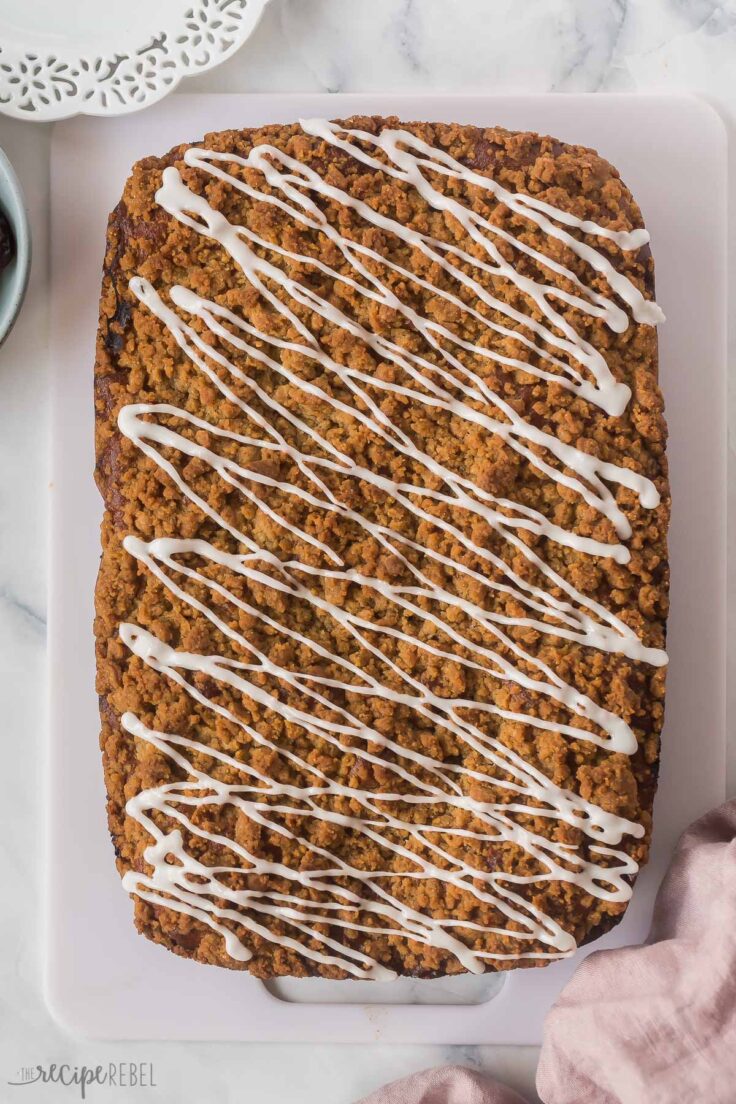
[(654, 1024), (446, 1085)]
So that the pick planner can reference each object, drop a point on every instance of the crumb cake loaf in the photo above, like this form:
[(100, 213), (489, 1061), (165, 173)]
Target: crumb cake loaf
[(382, 600)]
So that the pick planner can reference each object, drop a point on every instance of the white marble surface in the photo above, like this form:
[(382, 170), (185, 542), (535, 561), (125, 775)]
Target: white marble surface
[(488, 45)]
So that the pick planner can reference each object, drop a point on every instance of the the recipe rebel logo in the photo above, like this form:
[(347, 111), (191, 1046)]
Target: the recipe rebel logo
[(111, 1075)]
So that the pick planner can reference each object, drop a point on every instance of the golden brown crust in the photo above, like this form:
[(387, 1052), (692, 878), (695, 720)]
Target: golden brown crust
[(138, 361)]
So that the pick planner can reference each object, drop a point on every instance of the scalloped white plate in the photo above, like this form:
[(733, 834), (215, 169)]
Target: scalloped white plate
[(109, 57)]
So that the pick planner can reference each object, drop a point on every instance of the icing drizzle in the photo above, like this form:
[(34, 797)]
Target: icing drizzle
[(191, 570)]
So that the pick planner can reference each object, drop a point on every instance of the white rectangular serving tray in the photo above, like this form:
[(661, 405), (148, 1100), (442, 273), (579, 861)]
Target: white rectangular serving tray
[(104, 980)]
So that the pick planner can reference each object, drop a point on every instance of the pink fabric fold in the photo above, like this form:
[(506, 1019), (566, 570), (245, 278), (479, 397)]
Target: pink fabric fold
[(654, 1024), (445, 1085), (657, 1024)]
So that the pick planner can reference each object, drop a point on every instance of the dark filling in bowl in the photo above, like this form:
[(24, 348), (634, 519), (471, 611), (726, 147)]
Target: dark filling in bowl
[(7, 242)]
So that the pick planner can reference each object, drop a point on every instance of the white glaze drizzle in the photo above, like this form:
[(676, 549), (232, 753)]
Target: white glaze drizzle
[(445, 383)]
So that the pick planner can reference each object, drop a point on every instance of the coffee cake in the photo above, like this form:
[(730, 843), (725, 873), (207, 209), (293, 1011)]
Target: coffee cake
[(381, 607)]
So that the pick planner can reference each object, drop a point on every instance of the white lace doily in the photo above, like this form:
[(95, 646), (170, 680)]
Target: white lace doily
[(107, 57)]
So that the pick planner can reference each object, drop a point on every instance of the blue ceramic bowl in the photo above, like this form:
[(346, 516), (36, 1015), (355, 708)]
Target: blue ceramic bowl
[(13, 278)]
